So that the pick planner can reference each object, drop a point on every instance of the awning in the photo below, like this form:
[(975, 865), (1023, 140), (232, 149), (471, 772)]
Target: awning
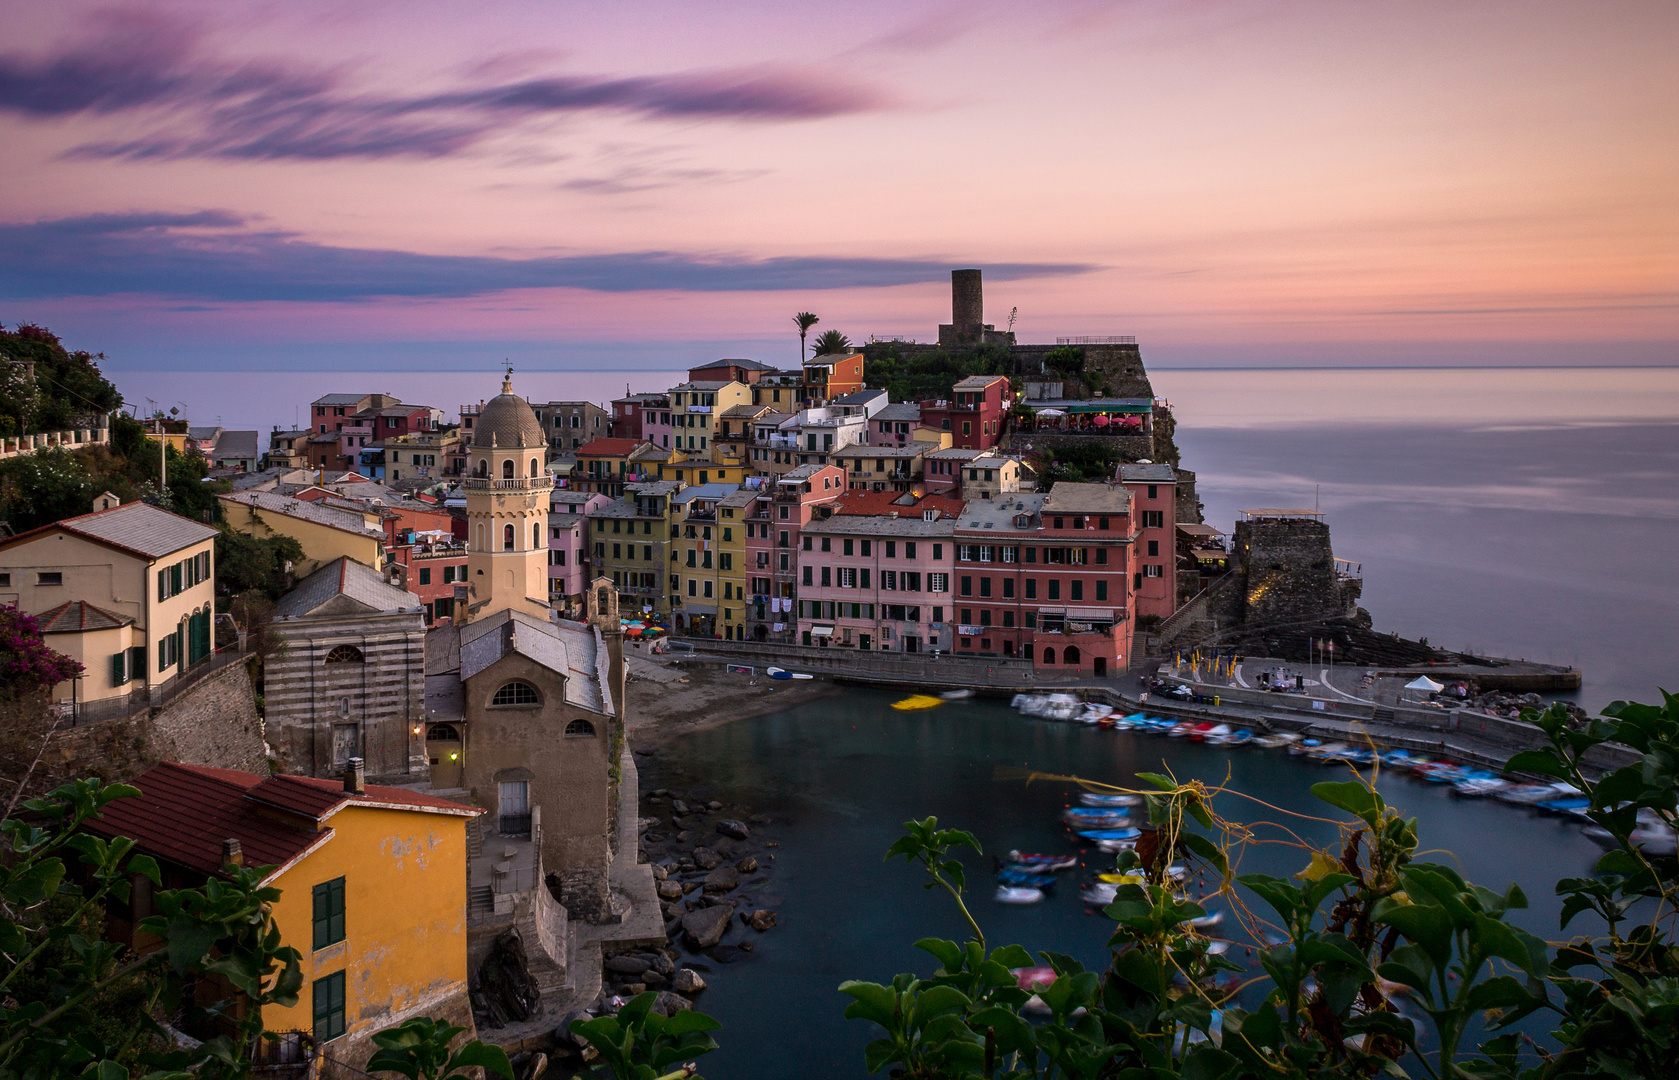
[(1089, 613), (821, 631), (1423, 682)]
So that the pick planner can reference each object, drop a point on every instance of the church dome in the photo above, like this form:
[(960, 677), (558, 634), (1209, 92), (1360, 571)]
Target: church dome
[(507, 421)]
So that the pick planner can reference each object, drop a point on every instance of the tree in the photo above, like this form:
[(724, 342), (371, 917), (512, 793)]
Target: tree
[(246, 563), (831, 341), (804, 320), (27, 664)]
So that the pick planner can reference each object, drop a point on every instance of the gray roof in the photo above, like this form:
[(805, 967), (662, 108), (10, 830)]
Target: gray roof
[(236, 444), (704, 387), (957, 453), (982, 514), (899, 410), (1070, 498), (141, 528), (272, 502), (654, 487), (1149, 472), (704, 492), (858, 397), (748, 365), (748, 412), (345, 577), (508, 422), (564, 521), (978, 382), (200, 434), (911, 524), (742, 497), (572, 651), (803, 472), (341, 399), (864, 450), (618, 508)]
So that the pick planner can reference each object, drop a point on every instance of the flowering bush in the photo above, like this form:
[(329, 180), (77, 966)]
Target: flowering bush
[(26, 663)]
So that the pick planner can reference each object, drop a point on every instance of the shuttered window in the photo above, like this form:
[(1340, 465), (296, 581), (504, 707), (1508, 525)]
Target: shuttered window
[(329, 1007), (329, 913)]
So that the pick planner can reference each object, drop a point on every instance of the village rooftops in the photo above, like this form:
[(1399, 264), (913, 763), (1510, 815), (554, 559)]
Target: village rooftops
[(864, 450), (1069, 498), (702, 387), (746, 412), (858, 397), (896, 502), (899, 411), (654, 487), (999, 515), (800, 474), (1148, 472), (740, 497), (185, 813), (956, 453), (270, 502), (745, 365), (1193, 528), (348, 399), (703, 492), (977, 382), (348, 578), (137, 528), (910, 524), (573, 651)]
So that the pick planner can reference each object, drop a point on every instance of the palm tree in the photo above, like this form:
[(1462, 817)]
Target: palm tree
[(831, 341), (804, 320)]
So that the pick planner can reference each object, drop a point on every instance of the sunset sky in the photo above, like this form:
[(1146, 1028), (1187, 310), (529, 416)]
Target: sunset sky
[(619, 185)]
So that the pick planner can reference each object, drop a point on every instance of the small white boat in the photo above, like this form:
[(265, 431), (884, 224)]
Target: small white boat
[(1091, 798), (1476, 787), (1218, 948), (783, 673), (1008, 894), (1101, 893), (1276, 739), (1061, 707), (1114, 847), (1207, 921), (1651, 833), (956, 695), (1031, 704), (1094, 712)]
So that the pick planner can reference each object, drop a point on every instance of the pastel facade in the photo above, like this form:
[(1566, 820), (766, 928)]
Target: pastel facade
[(874, 581), (775, 522), (1154, 577), (325, 532), (973, 414)]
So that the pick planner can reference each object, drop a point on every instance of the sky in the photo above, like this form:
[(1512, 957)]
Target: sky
[(1235, 182)]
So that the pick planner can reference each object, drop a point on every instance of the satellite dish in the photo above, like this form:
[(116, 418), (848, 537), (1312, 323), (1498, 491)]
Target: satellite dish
[(174, 412)]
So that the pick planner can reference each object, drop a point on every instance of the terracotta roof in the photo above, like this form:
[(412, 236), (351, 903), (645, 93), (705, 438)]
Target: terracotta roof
[(887, 502), (185, 812), (77, 616)]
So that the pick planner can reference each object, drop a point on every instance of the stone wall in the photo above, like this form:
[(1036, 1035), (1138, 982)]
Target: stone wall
[(214, 723), (1288, 571), (1128, 447)]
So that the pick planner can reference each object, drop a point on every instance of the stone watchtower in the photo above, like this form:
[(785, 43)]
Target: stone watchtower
[(507, 499)]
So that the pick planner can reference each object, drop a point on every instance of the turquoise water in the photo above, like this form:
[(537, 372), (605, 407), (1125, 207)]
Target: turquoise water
[(839, 776)]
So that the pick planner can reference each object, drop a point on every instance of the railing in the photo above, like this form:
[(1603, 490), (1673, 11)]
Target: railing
[(1098, 339), (142, 698), (278, 1049), (14, 445), (518, 483), (514, 825)]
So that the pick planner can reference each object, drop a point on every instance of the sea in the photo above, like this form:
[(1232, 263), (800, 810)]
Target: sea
[(1521, 512)]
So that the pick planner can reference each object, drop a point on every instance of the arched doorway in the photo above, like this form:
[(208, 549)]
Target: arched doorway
[(1049, 654), (1070, 655), (1101, 664), (443, 751)]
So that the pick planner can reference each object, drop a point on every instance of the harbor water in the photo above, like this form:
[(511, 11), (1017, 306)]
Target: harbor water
[(839, 776)]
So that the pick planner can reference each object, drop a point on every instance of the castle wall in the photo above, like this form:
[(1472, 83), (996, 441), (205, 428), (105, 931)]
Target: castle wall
[(1288, 571)]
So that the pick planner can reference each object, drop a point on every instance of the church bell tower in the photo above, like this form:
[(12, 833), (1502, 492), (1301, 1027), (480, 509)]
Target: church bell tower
[(507, 490)]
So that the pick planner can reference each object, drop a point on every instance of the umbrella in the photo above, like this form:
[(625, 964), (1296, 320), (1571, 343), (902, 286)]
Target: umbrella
[(634, 631), (1101, 421), (1053, 414)]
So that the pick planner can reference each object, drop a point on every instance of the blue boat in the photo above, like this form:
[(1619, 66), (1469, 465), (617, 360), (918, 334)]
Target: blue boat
[(1022, 878), (1558, 806), (1111, 834), (1093, 813)]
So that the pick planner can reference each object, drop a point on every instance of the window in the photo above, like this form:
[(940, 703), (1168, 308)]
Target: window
[(889, 580), (1154, 570), (329, 913), (910, 581), (938, 582), (1078, 589), (909, 549), (5, 580), (1101, 590), (808, 579), (119, 668), (329, 1007), (1102, 523), (1054, 589), (938, 552), (1060, 523), (55, 577), (516, 693), (1153, 491), (507, 537), (1154, 548), (827, 544), (425, 575), (967, 585), (891, 549), (580, 727), (536, 537), (344, 654), (1101, 556), (847, 577), (806, 542), (1154, 519), (827, 576)]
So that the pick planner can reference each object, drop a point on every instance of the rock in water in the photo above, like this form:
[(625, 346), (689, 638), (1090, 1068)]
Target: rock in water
[(663, 964), (627, 965), (706, 927), (715, 805), (669, 1004), (706, 859), (678, 806), (659, 872), (747, 865), (670, 890), (687, 981), (736, 829), (723, 879), (761, 920)]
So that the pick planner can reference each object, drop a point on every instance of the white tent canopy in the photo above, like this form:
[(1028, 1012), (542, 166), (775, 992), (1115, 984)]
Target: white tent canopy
[(1423, 682)]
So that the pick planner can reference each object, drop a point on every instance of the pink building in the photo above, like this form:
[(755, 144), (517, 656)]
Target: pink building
[(974, 413), (568, 527), (629, 414), (774, 526), (1154, 575), (877, 574)]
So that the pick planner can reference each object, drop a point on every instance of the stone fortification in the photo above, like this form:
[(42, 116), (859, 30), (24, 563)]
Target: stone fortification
[(1287, 572)]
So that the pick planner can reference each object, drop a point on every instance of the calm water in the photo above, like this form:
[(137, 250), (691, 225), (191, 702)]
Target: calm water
[(1520, 512), (838, 777)]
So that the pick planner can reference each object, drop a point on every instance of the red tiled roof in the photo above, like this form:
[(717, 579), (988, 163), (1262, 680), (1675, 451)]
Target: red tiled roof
[(185, 812), (606, 447), (880, 503)]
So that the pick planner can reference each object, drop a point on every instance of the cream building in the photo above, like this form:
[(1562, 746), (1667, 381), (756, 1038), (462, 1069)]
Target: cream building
[(129, 591), (507, 494)]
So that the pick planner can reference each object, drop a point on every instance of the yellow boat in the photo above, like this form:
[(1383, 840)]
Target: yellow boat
[(1122, 879), (916, 701)]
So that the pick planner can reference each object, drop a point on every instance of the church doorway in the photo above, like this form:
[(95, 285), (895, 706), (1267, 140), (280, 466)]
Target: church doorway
[(443, 751)]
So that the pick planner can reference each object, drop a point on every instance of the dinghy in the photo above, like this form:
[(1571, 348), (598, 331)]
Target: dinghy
[(916, 702), (956, 695), (1091, 798), (1093, 816), (1035, 861), (1111, 834), (1024, 879), (1009, 894), (783, 673)]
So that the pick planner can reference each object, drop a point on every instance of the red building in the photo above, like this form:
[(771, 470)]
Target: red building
[(974, 413), (431, 571), (741, 371), (774, 524), (1154, 571), (627, 412)]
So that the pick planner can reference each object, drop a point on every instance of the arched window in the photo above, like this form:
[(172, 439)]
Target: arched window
[(507, 469), (507, 538), (1049, 654), (443, 733), (344, 654), (481, 546), (1070, 655), (536, 537), (516, 693), (483, 469), (536, 470), (580, 727)]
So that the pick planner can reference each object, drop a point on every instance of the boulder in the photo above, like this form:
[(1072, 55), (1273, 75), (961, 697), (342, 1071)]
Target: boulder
[(706, 859), (704, 928), (736, 829), (669, 1004), (673, 926), (760, 920), (683, 836), (747, 865), (663, 964), (628, 964), (715, 805), (687, 981), (678, 807), (654, 980), (670, 890), (723, 879), (659, 872)]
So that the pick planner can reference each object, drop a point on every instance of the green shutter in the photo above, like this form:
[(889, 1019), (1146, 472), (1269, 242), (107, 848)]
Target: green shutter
[(329, 913), (329, 1007), (163, 584), (175, 579), (119, 668)]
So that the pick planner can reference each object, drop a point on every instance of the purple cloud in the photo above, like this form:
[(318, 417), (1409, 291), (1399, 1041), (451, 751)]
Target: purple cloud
[(213, 256), (204, 107)]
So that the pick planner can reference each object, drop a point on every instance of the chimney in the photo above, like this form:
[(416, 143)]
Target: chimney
[(355, 776), (967, 302), (232, 853)]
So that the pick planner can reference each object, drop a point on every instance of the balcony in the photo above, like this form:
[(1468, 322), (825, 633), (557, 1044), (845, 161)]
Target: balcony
[(520, 483)]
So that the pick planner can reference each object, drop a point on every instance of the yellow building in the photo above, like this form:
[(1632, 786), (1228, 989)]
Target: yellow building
[(708, 559), (326, 532), (633, 541), (129, 591), (732, 512), (709, 466), (420, 454), (696, 411), (373, 887)]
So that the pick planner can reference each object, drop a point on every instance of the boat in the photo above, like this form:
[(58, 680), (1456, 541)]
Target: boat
[(1126, 723), (916, 702), (1061, 707), (1447, 774), (1010, 894), (1330, 751), (1529, 794), (1207, 921), (1100, 894), (1031, 704), (1239, 737), (1110, 834), (783, 673), (1079, 815), (1131, 878), (1091, 798), (1094, 712), (1035, 861), (1022, 878), (1564, 805), (1205, 730), (1218, 948), (1652, 834), (1018, 701), (1114, 847), (1027, 978), (1479, 784), (1181, 729), (956, 695), (1273, 740), (1303, 746)]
